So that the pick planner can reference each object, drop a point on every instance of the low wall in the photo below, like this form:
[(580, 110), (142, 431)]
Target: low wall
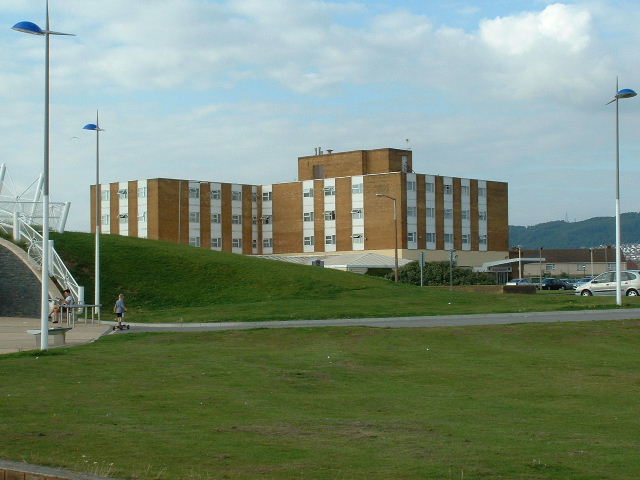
[(528, 289), (23, 471)]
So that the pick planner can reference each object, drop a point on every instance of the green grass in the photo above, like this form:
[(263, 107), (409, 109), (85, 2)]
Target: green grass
[(177, 283), (539, 401)]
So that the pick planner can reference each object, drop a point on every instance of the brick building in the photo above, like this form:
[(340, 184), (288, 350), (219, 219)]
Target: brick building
[(335, 206)]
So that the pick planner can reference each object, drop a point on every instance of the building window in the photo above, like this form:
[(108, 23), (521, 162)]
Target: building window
[(194, 192), (448, 238), (357, 188), (236, 195), (330, 240), (448, 213), (105, 195), (267, 242), (482, 215), (194, 241), (464, 190), (482, 192), (411, 186), (308, 217), (465, 239), (215, 194), (123, 193), (309, 240), (236, 242), (431, 212), (105, 219), (254, 197), (124, 218), (142, 217), (307, 192), (431, 237), (411, 236), (266, 196), (431, 187), (550, 266), (194, 217), (358, 238), (266, 219), (448, 189), (412, 211), (254, 220), (465, 214), (357, 213), (236, 219), (329, 191), (215, 217), (483, 240), (254, 243), (142, 192), (330, 215), (216, 242)]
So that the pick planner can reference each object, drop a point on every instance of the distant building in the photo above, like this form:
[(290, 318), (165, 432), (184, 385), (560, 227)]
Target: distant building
[(333, 207), (570, 262)]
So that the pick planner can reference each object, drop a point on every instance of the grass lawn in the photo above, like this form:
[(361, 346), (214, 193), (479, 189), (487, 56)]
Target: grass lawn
[(167, 282), (536, 401)]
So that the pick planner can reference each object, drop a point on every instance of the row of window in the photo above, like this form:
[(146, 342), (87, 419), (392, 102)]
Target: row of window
[(447, 189), (331, 191), (123, 218), (448, 238), (216, 242), (123, 193), (448, 213)]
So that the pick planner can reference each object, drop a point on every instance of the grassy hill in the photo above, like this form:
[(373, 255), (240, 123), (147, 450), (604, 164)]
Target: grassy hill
[(167, 282), (584, 234)]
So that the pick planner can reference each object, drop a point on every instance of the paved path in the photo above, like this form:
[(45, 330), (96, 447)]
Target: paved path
[(428, 321), (14, 336)]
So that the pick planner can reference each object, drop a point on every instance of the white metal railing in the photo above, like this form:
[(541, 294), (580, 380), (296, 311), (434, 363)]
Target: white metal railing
[(22, 231)]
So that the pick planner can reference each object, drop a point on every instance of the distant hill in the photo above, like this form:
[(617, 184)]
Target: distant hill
[(584, 234)]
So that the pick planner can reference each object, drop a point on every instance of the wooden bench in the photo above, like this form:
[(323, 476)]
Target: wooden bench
[(57, 336)]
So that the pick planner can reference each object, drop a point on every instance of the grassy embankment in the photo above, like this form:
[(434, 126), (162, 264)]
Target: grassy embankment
[(544, 401), (170, 282)]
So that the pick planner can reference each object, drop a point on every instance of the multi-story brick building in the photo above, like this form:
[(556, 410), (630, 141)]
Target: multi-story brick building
[(340, 203)]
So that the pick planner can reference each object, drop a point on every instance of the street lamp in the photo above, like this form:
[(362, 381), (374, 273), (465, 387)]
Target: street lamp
[(395, 236), (540, 264), (624, 93), (33, 29), (591, 252), (96, 128)]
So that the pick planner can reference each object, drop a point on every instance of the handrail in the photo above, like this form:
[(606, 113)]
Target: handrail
[(57, 269)]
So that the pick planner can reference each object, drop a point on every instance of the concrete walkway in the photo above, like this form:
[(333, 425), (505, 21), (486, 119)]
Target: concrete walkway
[(14, 336)]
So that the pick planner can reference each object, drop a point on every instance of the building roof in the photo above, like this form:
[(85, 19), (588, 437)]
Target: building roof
[(571, 255)]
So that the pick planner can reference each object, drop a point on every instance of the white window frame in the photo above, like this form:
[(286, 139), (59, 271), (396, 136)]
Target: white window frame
[(194, 241), (236, 219), (330, 215), (236, 242), (411, 186), (357, 188), (357, 213), (412, 237), (236, 195), (330, 240), (309, 240), (307, 192), (267, 242), (105, 195), (329, 191), (194, 192), (106, 219), (216, 194), (431, 212), (194, 217), (448, 213), (412, 211), (482, 191), (448, 189), (216, 242), (266, 196), (216, 218), (308, 217), (431, 187)]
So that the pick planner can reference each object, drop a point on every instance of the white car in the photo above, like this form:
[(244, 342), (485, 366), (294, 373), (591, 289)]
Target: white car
[(605, 284), (519, 281)]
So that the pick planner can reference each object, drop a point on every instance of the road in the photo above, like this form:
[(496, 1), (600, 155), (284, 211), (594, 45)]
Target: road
[(399, 322)]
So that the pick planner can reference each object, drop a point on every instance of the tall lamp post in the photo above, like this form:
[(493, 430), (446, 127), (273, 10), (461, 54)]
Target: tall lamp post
[(540, 264), (624, 93), (96, 128), (33, 29), (395, 236)]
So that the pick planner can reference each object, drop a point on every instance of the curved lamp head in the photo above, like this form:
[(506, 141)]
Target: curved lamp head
[(28, 27), (626, 93), (92, 126)]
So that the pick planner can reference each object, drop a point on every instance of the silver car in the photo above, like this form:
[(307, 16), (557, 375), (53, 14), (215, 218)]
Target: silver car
[(605, 284)]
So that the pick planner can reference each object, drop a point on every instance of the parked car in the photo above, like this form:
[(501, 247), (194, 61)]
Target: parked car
[(581, 281), (605, 284), (554, 284), (519, 281)]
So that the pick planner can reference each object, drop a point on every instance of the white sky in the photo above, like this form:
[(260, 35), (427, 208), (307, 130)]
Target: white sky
[(236, 90)]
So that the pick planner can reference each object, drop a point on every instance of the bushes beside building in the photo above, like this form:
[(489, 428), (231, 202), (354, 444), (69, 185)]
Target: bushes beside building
[(437, 274)]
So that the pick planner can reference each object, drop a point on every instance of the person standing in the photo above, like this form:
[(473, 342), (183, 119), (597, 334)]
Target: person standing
[(120, 309)]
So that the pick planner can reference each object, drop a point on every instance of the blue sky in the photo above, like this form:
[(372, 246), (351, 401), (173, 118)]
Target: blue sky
[(236, 90)]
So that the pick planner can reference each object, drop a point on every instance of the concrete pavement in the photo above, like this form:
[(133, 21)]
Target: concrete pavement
[(14, 336)]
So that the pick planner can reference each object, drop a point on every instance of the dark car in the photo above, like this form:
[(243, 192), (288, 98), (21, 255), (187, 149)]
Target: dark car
[(554, 284)]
